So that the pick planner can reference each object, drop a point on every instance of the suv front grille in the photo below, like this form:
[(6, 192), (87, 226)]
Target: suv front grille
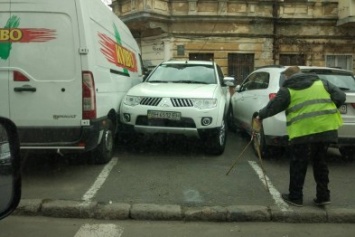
[(178, 102), (151, 101)]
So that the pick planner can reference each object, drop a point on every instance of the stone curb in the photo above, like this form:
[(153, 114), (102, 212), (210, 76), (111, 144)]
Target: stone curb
[(237, 213)]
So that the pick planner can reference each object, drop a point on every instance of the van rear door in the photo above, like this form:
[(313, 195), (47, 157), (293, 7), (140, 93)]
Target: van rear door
[(45, 69), (4, 53)]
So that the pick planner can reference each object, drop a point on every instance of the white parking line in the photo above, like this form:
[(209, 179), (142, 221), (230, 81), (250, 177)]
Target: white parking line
[(95, 230), (273, 191), (100, 180)]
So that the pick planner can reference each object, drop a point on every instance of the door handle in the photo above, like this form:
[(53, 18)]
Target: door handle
[(25, 88)]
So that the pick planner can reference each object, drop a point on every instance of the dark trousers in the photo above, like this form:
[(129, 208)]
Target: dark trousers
[(301, 154)]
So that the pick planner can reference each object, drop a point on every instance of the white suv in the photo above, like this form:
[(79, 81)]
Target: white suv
[(262, 85), (181, 97)]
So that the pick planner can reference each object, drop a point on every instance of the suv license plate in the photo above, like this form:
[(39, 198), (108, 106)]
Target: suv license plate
[(343, 109), (153, 114)]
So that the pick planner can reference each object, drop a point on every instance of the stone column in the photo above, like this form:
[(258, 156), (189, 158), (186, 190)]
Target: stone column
[(116, 7), (167, 49), (192, 7), (222, 7)]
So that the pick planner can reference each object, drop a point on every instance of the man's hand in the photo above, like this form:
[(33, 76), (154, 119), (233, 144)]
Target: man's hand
[(257, 122)]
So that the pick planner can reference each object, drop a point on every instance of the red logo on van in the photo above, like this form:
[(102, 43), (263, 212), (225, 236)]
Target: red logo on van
[(11, 33), (26, 35), (117, 54)]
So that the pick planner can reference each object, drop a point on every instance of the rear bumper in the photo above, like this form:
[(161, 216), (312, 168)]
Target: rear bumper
[(61, 139), (346, 134), (344, 141), (276, 141), (283, 141)]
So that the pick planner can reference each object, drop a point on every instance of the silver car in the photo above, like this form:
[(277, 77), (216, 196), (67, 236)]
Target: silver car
[(262, 85)]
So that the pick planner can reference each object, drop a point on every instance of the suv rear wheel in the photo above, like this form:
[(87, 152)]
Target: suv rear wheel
[(347, 153), (259, 144)]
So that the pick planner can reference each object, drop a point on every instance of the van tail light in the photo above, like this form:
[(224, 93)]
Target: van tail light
[(89, 97), (18, 76), (272, 96), (353, 105)]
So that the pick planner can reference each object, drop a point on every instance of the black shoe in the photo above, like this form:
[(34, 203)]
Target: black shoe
[(319, 202), (294, 202)]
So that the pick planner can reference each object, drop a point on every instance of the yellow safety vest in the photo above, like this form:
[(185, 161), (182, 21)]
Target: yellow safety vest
[(311, 111)]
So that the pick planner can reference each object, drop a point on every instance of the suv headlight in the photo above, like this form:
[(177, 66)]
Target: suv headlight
[(132, 100), (204, 103)]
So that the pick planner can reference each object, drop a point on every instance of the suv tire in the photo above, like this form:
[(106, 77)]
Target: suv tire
[(347, 153), (259, 143), (230, 120), (215, 139)]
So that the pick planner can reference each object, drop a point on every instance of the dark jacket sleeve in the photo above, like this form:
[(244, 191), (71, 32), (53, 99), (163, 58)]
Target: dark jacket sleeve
[(276, 105), (338, 96)]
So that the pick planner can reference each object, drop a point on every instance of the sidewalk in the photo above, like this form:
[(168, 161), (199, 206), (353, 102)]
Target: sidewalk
[(237, 213)]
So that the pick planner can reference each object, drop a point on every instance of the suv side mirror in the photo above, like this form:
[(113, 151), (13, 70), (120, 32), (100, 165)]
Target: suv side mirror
[(10, 176), (238, 87), (228, 81)]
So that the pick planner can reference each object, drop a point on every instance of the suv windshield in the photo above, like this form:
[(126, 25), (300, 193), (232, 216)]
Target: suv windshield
[(183, 73)]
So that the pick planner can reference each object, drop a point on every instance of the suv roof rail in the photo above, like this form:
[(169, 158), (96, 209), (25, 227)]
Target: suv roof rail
[(270, 66)]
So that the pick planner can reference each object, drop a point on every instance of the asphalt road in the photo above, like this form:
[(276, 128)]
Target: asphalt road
[(15, 226), (177, 171)]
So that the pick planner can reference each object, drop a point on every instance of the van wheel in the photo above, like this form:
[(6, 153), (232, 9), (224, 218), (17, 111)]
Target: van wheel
[(215, 140), (104, 151)]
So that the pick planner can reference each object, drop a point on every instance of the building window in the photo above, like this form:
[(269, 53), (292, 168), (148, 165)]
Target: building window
[(339, 61), (240, 66), (201, 56), (292, 59)]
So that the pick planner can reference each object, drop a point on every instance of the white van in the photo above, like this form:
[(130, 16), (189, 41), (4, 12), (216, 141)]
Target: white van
[(64, 67)]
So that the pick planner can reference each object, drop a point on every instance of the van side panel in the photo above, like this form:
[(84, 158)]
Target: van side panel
[(47, 55), (55, 43), (5, 46), (110, 37)]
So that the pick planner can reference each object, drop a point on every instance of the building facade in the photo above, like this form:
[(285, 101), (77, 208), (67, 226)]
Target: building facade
[(241, 35)]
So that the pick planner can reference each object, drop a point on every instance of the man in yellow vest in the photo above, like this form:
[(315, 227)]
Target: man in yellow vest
[(312, 121)]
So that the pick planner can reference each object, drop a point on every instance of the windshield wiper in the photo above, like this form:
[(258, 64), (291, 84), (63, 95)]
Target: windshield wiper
[(190, 82), (344, 88), (158, 81)]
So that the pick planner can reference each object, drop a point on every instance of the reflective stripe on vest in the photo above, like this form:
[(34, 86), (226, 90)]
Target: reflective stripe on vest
[(311, 111)]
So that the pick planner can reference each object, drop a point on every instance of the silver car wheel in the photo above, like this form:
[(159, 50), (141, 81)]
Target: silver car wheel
[(222, 133)]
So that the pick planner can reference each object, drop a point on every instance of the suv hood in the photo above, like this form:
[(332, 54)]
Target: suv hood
[(181, 90)]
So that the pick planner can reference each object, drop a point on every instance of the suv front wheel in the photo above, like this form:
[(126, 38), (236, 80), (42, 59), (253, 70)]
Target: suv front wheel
[(230, 120), (215, 139)]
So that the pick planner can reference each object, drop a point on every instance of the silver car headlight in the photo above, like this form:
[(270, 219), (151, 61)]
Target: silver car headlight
[(132, 100), (204, 103)]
